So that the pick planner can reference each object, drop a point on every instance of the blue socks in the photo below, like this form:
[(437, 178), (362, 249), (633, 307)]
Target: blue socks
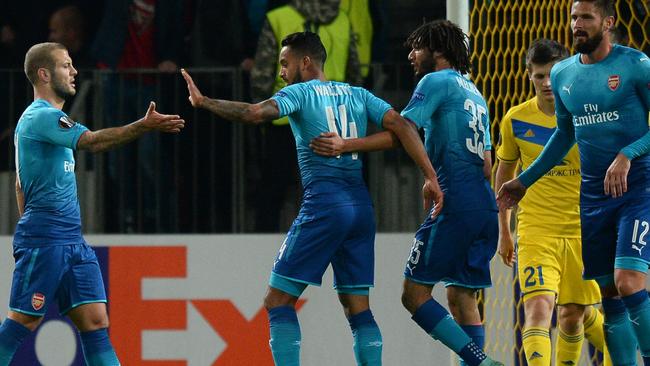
[(436, 321), (12, 334), (367, 339), (477, 334), (638, 306), (285, 336), (97, 348), (619, 334)]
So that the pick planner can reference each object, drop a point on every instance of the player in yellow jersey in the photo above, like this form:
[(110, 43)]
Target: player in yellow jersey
[(548, 226)]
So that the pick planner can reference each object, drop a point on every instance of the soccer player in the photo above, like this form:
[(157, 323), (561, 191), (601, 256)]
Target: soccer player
[(548, 226), (456, 246), (53, 261), (336, 220), (602, 99)]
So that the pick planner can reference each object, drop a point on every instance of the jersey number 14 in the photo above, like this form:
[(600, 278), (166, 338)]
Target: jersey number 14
[(348, 130)]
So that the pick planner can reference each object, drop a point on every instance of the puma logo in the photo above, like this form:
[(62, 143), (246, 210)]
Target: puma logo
[(567, 88), (638, 248)]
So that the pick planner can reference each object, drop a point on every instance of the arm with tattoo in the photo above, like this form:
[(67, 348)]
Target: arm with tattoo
[(232, 111), (108, 138)]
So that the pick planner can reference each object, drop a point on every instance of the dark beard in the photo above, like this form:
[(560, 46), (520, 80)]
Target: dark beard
[(590, 44), (297, 79), (427, 66), (60, 90)]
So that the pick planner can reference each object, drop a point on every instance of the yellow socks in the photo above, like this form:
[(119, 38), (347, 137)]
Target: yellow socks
[(568, 348), (537, 345)]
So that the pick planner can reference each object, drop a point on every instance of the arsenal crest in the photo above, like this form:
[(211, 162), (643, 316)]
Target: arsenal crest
[(38, 300), (613, 82)]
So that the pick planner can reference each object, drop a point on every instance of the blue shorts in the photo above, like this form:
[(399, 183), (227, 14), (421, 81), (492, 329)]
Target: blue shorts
[(455, 248), (341, 235), (615, 235), (69, 274)]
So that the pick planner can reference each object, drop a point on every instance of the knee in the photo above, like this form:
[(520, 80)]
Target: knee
[(629, 282), (275, 298), (455, 307), (409, 301), (538, 311), (95, 322), (463, 304), (570, 318)]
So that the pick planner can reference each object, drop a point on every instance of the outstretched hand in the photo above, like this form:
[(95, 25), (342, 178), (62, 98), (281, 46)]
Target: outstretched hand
[(510, 194), (196, 98), (170, 123), (433, 196), (327, 144)]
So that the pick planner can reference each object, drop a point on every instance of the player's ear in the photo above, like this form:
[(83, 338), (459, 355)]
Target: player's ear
[(43, 74), (609, 22), (306, 61)]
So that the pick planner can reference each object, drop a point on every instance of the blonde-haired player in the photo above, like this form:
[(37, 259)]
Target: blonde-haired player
[(548, 230)]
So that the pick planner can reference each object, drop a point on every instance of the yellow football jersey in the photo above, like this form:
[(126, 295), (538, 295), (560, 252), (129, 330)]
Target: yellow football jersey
[(551, 205)]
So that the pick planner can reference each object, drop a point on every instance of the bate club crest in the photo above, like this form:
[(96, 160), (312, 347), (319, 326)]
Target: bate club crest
[(38, 300), (613, 82)]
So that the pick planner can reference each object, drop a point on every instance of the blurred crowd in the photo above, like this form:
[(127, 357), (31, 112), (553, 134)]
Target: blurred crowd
[(126, 36)]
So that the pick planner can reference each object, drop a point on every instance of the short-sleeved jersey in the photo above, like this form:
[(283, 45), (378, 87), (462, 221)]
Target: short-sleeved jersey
[(318, 106), (606, 106), (44, 140), (551, 205), (455, 119)]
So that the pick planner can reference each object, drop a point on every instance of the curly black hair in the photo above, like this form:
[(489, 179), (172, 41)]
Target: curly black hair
[(445, 37)]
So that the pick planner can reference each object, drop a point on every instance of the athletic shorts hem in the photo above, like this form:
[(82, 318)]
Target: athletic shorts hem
[(539, 292), (464, 285), (296, 280), (632, 264), (26, 312), (428, 283), (82, 303), (577, 303)]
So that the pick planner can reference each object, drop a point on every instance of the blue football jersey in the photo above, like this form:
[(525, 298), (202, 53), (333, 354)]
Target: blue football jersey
[(605, 106), (44, 140), (456, 125), (318, 106)]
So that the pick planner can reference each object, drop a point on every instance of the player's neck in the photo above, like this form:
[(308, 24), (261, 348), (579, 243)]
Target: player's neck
[(49, 96), (441, 64), (598, 54), (548, 108)]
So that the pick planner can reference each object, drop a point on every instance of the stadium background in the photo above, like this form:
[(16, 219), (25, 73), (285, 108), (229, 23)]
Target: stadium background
[(201, 280)]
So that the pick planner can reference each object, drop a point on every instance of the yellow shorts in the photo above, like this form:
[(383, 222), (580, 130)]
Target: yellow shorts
[(554, 265)]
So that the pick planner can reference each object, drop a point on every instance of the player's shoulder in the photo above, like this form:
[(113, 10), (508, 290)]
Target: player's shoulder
[(446, 81), (631, 55), (628, 51), (439, 77), (41, 111), (522, 109)]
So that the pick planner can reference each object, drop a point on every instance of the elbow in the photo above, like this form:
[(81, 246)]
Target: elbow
[(253, 116)]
